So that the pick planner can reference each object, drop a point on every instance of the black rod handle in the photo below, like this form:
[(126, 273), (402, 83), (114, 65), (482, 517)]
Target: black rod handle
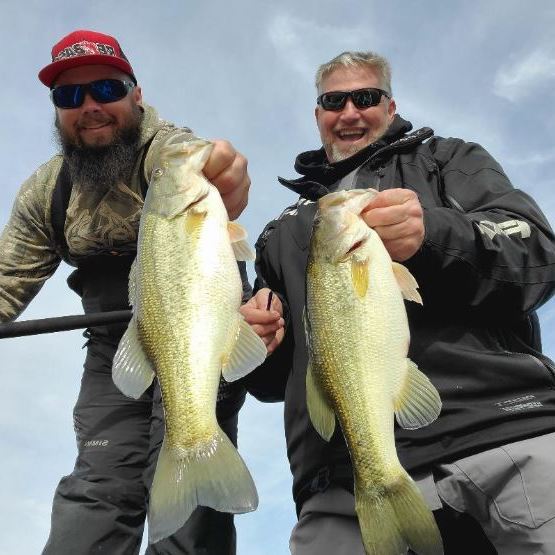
[(63, 323)]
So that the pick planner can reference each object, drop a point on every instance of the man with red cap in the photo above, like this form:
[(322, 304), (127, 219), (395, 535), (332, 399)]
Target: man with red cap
[(84, 206)]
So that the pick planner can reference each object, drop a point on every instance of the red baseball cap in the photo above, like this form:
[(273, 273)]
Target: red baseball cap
[(85, 48)]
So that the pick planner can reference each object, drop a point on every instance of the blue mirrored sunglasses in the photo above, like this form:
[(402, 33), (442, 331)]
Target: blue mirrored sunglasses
[(102, 90)]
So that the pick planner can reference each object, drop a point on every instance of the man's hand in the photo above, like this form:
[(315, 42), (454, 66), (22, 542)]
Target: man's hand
[(268, 324), (396, 216), (226, 169)]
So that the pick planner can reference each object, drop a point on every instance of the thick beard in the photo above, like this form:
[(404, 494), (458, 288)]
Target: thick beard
[(101, 167)]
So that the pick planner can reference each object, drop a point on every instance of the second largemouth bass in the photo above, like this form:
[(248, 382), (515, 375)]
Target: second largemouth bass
[(358, 371)]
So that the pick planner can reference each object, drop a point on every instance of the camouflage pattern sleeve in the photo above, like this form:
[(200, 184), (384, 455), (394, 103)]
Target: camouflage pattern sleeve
[(28, 256)]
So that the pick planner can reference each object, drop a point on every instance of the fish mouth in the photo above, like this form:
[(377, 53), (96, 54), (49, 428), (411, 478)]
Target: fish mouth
[(198, 200), (177, 147), (354, 247)]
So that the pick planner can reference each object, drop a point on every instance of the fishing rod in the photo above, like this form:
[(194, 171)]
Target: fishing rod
[(63, 323)]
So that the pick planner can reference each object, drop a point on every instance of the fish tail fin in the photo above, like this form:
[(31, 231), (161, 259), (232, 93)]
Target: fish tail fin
[(397, 521), (216, 478)]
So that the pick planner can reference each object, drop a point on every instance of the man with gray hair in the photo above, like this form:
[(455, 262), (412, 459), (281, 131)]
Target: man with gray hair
[(483, 255)]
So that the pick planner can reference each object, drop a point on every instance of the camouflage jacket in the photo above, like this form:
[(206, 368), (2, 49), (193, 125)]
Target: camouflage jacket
[(96, 222)]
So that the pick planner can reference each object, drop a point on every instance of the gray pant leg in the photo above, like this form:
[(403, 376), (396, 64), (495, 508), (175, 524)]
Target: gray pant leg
[(207, 532), (100, 506), (327, 525), (509, 491)]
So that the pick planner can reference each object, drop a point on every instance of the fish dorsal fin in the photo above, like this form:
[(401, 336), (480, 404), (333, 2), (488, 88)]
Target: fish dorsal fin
[(249, 351), (360, 275), (406, 282), (236, 232), (320, 412), (131, 370), (132, 284), (418, 403), (238, 239)]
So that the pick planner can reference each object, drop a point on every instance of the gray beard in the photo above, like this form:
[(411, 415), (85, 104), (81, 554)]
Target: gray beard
[(337, 155), (102, 167)]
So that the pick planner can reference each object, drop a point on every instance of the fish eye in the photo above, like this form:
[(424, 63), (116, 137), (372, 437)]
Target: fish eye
[(158, 172)]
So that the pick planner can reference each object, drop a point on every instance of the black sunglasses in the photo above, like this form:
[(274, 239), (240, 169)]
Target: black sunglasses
[(362, 98), (102, 90)]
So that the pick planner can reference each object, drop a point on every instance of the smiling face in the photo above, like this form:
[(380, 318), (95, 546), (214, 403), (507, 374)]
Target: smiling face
[(94, 124), (351, 129)]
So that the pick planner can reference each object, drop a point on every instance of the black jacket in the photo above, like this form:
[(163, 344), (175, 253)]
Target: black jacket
[(487, 262)]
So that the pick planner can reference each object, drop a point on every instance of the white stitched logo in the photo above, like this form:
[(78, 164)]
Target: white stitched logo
[(96, 443), (509, 227), (519, 404), (523, 406)]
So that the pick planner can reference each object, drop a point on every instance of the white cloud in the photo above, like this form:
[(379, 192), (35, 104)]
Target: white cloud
[(519, 78), (304, 43)]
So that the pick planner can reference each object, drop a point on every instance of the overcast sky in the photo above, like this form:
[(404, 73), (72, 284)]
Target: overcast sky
[(243, 70)]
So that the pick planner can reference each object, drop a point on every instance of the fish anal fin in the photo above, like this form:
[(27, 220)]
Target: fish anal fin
[(238, 239), (407, 283), (132, 372), (248, 352), (418, 403), (360, 275)]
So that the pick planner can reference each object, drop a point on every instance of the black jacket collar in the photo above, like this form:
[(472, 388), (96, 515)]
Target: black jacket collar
[(319, 175)]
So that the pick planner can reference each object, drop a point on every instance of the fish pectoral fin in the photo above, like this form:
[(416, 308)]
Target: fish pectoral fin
[(320, 412), (248, 352), (360, 275), (131, 370), (407, 283), (216, 477), (132, 284), (238, 239), (418, 403)]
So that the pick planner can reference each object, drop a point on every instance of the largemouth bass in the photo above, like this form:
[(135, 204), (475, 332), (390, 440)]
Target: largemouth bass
[(185, 290), (358, 371)]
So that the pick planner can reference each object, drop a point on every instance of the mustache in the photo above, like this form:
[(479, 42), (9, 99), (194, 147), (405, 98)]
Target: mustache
[(86, 120)]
